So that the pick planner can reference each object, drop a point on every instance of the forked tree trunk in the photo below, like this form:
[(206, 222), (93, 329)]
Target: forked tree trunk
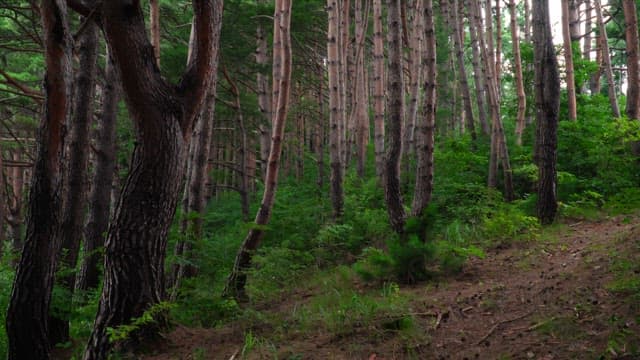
[(236, 282), (522, 98), (27, 317), (378, 86), (335, 109), (75, 182), (606, 59), (425, 134), (547, 87), (100, 194), (568, 62), (462, 70), (395, 106), (163, 117)]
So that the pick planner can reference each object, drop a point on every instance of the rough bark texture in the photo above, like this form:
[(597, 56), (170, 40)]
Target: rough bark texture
[(335, 109), (378, 86), (100, 194), (27, 316), (633, 68), (425, 134), (522, 98), (361, 98), (462, 71), (568, 61), (606, 59), (163, 117), (237, 279), (547, 88), (154, 25), (74, 195), (478, 73), (395, 110), (415, 42), (264, 98), (14, 208)]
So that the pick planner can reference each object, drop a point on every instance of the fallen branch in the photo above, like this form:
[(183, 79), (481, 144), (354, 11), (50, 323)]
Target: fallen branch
[(500, 323)]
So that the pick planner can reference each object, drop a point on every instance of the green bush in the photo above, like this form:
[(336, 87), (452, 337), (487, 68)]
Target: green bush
[(6, 281)]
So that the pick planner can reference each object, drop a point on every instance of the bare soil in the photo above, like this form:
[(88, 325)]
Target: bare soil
[(540, 300)]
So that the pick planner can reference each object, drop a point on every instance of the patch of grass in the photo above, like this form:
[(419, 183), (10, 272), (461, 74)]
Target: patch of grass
[(564, 328)]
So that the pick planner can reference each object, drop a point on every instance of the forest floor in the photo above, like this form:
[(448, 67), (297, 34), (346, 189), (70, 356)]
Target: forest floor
[(553, 298)]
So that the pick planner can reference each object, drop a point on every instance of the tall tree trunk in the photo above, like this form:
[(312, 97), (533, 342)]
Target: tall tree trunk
[(633, 84), (100, 194), (426, 126), (237, 279), (27, 317), (335, 109), (568, 62), (320, 128), (196, 177), (478, 72), (547, 87), (606, 59), (522, 98), (343, 77), (527, 21), (361, 97), (264, 101), (74, 196), (395, 106), (378, 86), (163, 117), (498, 52), (415, 73), (14, 211), (462, 71), (586, 49)]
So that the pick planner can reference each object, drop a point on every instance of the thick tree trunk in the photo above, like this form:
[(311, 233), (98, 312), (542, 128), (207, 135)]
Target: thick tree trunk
[(100, 194), (568, 62), (27, 317), (606, 59), (633, 68), (395, 106), (163, 117), (547, 87), (74, 196), (415, 74), (378, 86), (237, 279), (425, 134), (462, 71), (522, 98), (335, 109), (154, 25)]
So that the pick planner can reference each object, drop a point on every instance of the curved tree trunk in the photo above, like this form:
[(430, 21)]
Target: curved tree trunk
[(75, 183), (163, 117), (606, 59), (28, 313), (395, 106), (100, 194), (547, 87), (235, 286)]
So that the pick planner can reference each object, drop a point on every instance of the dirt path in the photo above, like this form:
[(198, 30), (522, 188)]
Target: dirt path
[(544, 300)]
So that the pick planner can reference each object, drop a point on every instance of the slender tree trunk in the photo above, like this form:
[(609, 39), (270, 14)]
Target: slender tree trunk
[(527, 21), (264, 101), (478, 73), (606, 59), (361, 107), (633, 84), (343, 77), (100, 194), (547, 87), (522, 98), (27, 317), (498, 52), (14, 211), (462, 71), (163, 116), (75, 184), (320, 128), (568, 62), (425, 134), (586, 49), (335, 111), (237, 279), (395, 106), (378, 86)]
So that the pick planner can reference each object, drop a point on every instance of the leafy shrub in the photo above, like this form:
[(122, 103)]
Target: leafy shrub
[(276, 269), (6, 280), (509, 223)]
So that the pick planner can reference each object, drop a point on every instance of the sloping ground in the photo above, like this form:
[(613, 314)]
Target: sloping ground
[(542, 300)]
